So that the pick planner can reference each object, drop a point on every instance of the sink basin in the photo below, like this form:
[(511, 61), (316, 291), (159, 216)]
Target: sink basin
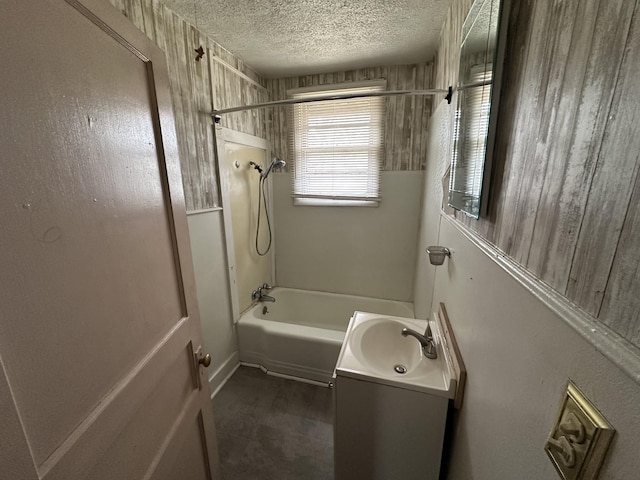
[(373, 348), (379, 344)]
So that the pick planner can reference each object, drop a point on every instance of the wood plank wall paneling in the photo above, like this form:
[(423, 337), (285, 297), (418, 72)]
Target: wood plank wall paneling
[(406, 117), (613, 213), (447, 59), (196, 87), (616, 171), (231, 90), (565, 200)]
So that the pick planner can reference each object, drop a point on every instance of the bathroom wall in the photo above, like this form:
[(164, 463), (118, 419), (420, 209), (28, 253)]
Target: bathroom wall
[(360, 251), (519, 356), (206, 231), (438, 147), (217, 80), (565, 201), (520, 349), (406, 117), (352, 250), (447, 59)]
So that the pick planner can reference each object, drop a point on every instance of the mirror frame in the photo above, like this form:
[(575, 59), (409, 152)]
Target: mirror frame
[(484, 162)]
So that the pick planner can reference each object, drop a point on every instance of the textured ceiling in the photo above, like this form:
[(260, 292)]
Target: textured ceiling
[(281, 38)]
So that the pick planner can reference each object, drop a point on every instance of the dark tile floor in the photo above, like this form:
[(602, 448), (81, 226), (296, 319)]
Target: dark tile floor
[(273, 428)]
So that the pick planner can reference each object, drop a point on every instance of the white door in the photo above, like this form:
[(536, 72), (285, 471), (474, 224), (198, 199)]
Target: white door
[(98, 319)]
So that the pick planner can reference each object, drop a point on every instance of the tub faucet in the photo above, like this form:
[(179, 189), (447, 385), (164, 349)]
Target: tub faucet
[(426, 341), (258, 296)]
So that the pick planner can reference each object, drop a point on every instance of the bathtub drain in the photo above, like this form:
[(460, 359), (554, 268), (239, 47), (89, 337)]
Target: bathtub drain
[(400, 369)]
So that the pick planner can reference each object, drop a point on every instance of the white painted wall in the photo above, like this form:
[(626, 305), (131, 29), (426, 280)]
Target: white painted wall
[(519, 356), (438, 153), (351, 250), (210, 266)]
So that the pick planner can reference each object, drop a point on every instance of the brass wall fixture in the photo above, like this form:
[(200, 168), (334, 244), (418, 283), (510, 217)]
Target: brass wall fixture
[(580, 438)]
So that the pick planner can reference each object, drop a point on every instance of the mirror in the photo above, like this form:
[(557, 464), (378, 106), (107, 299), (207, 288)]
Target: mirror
[(477, 107)]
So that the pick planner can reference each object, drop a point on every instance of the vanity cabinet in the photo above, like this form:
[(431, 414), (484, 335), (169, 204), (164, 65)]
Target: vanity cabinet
[(391, 401), (384, 432)]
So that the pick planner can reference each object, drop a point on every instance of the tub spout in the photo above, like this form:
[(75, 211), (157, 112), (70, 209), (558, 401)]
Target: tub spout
[(258, 296)]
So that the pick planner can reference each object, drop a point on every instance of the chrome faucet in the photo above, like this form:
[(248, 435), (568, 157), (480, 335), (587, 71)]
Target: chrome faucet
[(426, 341), (258, 296)]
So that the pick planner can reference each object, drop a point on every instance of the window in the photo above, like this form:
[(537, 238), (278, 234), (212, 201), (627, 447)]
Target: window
[(337, 146)]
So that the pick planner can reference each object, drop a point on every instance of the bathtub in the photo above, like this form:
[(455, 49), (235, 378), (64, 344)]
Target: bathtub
[(300, 335)]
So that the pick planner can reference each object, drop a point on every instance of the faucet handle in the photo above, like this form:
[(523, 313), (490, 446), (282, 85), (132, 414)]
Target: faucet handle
[(266, 286), (427, 332), (255, 295)]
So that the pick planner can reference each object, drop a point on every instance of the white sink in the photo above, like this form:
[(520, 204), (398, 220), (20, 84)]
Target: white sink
[(378, 344), (373, 347)]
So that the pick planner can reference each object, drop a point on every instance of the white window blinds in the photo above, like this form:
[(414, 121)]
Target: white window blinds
[(337, 147)]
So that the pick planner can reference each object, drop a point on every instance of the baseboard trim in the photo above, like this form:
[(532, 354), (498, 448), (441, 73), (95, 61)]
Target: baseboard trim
[(292, 371), (288, 377), (223, 373)]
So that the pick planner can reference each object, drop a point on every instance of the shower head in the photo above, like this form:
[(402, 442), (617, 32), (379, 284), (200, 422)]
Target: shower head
[(275, 163)]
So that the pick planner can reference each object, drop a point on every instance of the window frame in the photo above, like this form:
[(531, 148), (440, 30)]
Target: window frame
[(306, 199)]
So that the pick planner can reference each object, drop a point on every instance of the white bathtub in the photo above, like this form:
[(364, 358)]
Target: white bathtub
[(302, 332)]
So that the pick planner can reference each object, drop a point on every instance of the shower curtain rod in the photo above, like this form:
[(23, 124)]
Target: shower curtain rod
[(321, 98)]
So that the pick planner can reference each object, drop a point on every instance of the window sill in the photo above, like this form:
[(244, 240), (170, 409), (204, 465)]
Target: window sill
[(327, 202)]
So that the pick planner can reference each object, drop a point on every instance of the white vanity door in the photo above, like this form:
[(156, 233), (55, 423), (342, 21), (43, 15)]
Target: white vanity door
[(384, 432)]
